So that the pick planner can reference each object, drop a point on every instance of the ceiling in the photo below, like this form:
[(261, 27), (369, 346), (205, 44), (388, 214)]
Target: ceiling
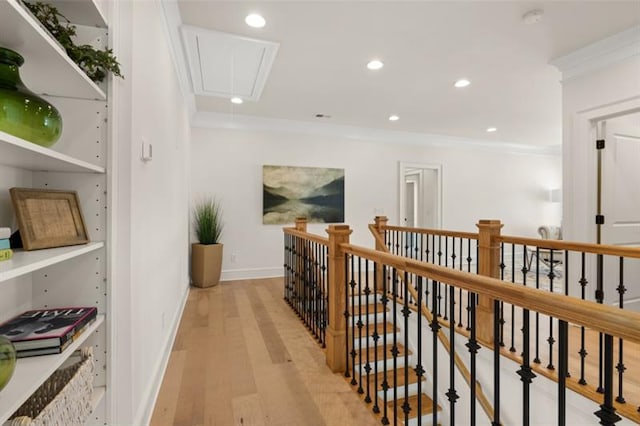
[(320, 66)]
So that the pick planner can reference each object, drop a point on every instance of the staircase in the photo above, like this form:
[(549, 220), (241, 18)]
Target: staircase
[(385, 380)]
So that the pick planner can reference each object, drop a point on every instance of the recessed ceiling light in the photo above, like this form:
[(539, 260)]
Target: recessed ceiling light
[(491, 129), (394, 118), (254, 20), (375, 64), (462, 83), (236, 100)]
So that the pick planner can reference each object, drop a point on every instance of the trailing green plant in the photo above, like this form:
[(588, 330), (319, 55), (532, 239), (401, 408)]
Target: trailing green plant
[(207, 215), (95, 63)]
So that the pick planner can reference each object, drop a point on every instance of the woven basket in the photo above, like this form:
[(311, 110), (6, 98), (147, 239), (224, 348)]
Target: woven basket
[(63, 399)]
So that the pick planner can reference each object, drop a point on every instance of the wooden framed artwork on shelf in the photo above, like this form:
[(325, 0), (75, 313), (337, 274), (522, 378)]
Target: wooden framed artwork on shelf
[(48, 218)]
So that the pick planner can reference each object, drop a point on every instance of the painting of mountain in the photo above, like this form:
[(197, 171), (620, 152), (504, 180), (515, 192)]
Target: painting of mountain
[(312, 192)]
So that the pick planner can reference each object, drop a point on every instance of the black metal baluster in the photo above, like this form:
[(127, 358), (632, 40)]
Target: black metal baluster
[(435, 327), (600, 299), (314, 290), (620, 366), (376, 337), (352, 290), (460, 289), (607, 413), (513, 308), (398, 237), (419, 368), (360, 326), (416, 249), (394, 349), (452, 394), (385, 381), (406, 408), (367, 367), (496, 363), (346, 315), (525, 373), (582, 352), (563, 358), (502, 268), (473, 346), (439, 290), (469, 260), (325, 296), (446, 286), (537, 357), (407, 241)]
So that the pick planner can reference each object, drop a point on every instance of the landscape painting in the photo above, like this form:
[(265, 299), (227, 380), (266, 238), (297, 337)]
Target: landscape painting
[(312, 192)]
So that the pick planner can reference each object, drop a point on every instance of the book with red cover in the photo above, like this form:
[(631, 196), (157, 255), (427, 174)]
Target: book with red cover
[(46, 328)]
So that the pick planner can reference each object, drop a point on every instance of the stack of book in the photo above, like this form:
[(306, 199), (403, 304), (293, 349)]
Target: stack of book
[(5, 248), (47, 331)]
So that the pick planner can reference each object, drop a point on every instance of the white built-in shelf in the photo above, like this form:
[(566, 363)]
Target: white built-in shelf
[(47, 69), (25, 262), (31, 372), (16, 152), (84, 12)]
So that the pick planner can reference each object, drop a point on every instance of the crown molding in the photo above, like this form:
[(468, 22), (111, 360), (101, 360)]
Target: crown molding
[(598, 55), (214, 120)]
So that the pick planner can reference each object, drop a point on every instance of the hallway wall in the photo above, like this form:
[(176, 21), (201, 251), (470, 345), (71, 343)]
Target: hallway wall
[(151, 210), (477, 184)]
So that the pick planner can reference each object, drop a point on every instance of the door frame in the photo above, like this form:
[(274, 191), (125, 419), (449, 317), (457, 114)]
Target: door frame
[(403, 168)]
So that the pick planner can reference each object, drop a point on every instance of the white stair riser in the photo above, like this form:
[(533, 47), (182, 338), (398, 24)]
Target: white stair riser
[(381, 365)]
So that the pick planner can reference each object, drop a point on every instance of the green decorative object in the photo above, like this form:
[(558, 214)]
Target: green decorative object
[(7, 361), (22, 112)]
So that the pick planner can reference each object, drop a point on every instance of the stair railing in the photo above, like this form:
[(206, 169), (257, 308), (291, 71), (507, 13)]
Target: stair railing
[(601, 273), (353, 271)]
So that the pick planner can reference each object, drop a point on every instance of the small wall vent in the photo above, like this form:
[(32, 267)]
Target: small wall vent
[(227, 65)]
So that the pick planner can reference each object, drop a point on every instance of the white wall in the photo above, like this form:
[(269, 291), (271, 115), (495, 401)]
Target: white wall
[(152, 211), (477, 183)]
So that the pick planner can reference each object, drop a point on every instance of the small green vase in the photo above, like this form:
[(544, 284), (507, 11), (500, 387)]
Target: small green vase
[(7, 361), (22, 112)]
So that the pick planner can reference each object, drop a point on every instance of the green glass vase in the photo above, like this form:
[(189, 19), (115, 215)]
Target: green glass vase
[(22, 112), (7, 361)]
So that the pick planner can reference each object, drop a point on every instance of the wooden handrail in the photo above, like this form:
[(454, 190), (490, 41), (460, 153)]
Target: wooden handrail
[(633, 252), (462, 367), (606, 319), (441, 232), (312, 237)]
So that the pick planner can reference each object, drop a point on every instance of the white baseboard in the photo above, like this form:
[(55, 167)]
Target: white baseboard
[(143, 416), (251, 273)]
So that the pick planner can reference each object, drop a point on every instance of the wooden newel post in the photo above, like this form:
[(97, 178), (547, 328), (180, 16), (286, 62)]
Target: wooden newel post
[(301, 224), (380, 223), (337, 326), (489, 266)]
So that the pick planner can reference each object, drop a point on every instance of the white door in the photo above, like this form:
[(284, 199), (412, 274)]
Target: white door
[(420, 195), (620, 195), (410, 202)]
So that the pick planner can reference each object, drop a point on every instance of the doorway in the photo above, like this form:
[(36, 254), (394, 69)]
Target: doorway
[(420, 195)]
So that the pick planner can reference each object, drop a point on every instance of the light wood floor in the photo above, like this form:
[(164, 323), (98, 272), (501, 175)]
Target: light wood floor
[(242, 357)]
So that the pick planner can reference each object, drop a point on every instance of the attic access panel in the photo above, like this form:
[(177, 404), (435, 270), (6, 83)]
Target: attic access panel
[(227, 65)]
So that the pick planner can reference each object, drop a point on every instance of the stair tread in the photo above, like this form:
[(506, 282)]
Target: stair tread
[(426, 402), (383, 352), (367, 330), (400, 382)]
